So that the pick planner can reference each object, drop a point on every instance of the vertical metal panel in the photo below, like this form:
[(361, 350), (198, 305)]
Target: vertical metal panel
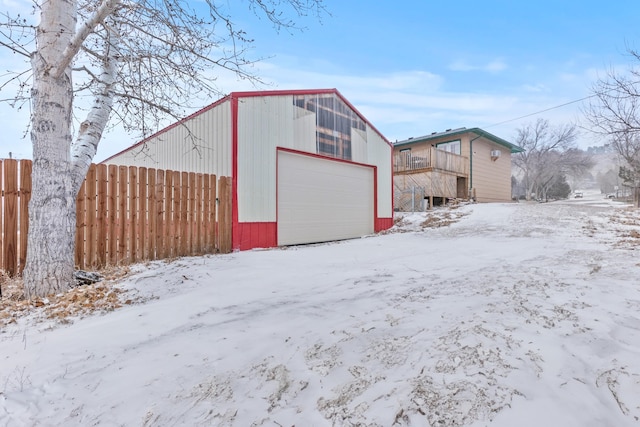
[(264, 123), (201, 144), (304, 131), (379, 154), (359, 151)]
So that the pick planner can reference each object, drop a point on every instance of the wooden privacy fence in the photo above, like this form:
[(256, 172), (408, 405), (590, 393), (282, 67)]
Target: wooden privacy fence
[(125, 214)]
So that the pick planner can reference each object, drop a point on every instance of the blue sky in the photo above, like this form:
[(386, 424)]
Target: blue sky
[(416, 67)]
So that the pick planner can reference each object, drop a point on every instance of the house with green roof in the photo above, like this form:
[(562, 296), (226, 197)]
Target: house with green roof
[(456, 164)]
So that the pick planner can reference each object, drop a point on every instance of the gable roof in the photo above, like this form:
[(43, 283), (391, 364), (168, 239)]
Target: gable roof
[(459, 131), (237, 95)]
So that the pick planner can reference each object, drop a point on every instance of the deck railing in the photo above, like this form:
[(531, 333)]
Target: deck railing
[(430, 158)]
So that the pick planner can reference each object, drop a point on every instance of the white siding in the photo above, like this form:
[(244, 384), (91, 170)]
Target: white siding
[(304, 131), (359, 146), (264, 123), (207, 150), (379, 154)]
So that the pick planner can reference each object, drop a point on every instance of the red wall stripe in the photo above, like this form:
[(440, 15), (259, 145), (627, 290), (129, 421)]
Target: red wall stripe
[(256, 235), (383, 224)]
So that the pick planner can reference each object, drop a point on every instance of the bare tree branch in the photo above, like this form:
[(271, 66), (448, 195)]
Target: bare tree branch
[(614, 112), (549, 152)]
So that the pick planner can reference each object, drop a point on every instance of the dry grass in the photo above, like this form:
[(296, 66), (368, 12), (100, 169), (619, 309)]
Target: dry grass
[(443, 219), (79, 301), (627, 222)]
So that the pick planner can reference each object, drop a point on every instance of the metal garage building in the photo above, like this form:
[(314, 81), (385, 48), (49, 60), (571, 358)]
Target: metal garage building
[(306, 165)]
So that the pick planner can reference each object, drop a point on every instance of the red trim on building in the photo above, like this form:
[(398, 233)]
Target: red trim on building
[(375, 197), (376, 220), (311, 92), (236, 95), (282, 92), (321, 156), (383, 224), (255, 235)]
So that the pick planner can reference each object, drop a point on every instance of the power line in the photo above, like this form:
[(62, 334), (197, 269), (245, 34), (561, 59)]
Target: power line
[(611, 89), (542, 111)]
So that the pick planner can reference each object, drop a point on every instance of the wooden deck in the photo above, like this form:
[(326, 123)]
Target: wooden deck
[(428, 174), (430, 159)]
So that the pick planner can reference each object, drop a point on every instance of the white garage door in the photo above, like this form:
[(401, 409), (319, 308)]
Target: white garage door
[(320, 200)]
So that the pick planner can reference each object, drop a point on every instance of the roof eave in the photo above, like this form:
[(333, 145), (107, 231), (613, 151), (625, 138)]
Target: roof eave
[(479, 132)]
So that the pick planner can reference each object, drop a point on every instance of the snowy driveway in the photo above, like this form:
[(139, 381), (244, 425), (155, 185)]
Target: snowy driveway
[(517, 315)]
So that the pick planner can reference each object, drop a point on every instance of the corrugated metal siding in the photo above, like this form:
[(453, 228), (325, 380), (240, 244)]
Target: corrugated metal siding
[(304, 131), (207, 150), (264, 123), (359, 151), (379, 154), (491, 179)]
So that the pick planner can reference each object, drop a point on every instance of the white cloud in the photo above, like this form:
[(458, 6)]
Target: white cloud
[(494, 66), (536, 88)]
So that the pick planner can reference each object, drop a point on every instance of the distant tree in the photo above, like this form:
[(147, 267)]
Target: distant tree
[(138, 61), (614, 112), (549, 152), (601, 149), (608, 181), (559, 188)]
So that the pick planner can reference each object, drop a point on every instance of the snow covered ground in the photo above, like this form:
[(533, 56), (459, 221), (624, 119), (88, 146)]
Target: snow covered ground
[(520, 314)]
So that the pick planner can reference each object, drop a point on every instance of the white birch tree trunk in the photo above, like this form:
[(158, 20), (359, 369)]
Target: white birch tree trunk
[(50, 249), (60, 165)]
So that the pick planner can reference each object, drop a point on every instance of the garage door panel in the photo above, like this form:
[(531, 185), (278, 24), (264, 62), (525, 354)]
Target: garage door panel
[(322, 200)]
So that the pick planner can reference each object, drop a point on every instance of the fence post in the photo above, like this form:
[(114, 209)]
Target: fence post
[(112, 207), (152, 217), (25, 196), (80, 226), (123, 173), (191, 218), (198, 234), (101, 218), (133, 213), (177, 217), (184, 219), (10, 236), (224, 215), (90, 217), (213, 214)]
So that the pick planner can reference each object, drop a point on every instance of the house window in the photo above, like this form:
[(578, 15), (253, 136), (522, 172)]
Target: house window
[(451, 146)]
